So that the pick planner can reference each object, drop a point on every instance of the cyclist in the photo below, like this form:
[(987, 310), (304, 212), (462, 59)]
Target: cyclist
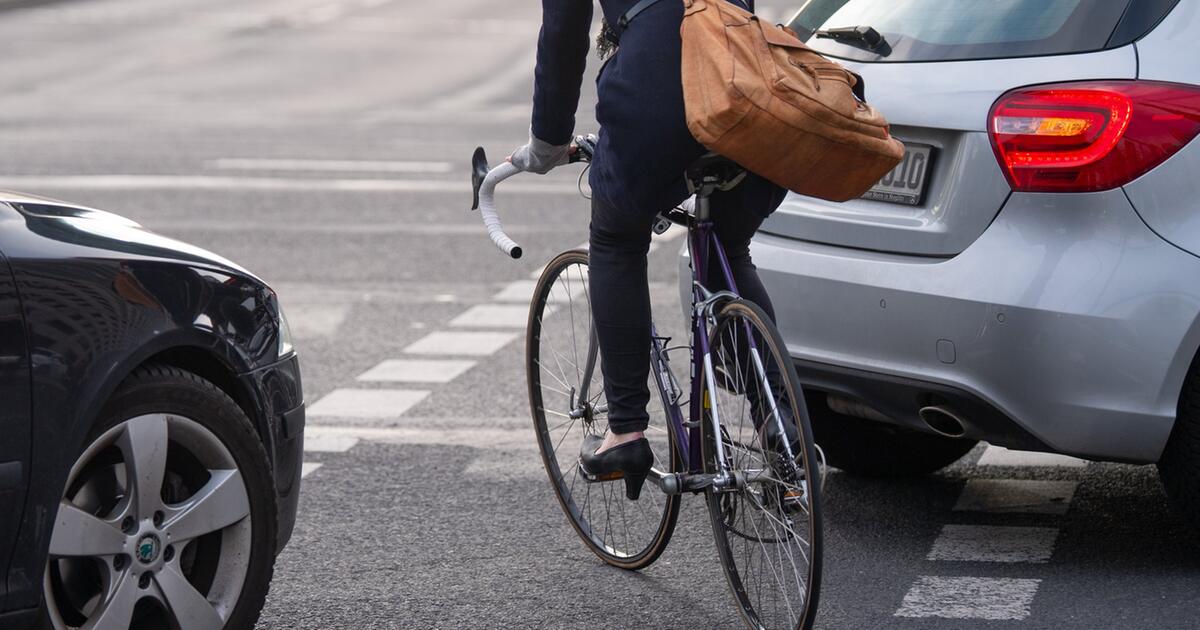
[(637, 171)]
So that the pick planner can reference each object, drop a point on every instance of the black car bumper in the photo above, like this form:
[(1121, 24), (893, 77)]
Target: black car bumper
[(280, 410)]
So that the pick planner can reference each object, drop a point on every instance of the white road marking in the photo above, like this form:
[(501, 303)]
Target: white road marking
[(461, 343), (1000, 456), (337, 166), (1008, 496), (315, 320), (582, 270), (493, 316), (365, 403), (522, 290), (473, 437), (969, 598), (206, 182), (307, 468), (982, 543), (416, 371), (328, 443)]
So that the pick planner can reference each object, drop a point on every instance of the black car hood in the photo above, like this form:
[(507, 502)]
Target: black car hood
[(100, 230)]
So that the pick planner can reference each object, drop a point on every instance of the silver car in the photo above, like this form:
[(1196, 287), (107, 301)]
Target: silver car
[(1029, 275)]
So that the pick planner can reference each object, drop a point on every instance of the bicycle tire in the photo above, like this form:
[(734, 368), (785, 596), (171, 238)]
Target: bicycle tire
[(582, 502), (736, 532)]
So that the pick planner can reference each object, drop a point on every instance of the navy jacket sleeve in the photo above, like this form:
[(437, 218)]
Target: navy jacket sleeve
[(561, 60)]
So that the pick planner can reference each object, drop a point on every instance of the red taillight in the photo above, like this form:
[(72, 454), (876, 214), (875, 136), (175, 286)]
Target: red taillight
[(1083, 137)]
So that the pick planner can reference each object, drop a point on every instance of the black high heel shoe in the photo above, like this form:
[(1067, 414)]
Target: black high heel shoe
[(630, 461)]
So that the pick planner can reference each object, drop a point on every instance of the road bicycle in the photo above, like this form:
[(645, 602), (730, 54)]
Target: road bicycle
[(763, 495)]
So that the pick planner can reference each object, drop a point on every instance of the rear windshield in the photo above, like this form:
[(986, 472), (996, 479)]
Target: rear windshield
[(947, 30)]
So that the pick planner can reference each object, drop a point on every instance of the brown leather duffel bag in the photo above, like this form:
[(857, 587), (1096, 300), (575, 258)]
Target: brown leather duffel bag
[(757, 95)]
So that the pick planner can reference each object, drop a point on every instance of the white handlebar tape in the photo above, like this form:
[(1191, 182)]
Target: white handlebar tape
[(487, 208)]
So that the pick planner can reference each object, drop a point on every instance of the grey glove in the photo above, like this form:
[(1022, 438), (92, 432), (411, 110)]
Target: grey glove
[(539, 156)]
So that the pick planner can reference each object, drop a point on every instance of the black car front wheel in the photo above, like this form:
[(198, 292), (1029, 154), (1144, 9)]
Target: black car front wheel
[(168, 516)]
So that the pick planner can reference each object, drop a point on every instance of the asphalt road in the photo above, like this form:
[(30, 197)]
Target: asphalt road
[(323, 144)]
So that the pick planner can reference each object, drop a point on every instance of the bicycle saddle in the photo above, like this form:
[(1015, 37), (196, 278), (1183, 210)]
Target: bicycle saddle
[(713, 172)]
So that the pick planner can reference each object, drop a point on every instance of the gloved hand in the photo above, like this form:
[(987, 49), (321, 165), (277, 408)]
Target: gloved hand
[(539, 156)]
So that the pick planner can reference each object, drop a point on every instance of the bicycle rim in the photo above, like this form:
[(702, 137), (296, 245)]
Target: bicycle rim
[(768, 531), (626, 534)]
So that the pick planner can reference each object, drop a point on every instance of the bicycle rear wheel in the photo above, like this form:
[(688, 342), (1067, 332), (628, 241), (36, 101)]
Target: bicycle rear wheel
[(566, 398), (768, 529)]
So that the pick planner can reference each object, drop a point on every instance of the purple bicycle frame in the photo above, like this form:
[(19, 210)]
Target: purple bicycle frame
[(702, 243)]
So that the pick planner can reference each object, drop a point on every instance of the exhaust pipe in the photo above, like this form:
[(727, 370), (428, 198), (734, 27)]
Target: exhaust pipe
[(943, 420)]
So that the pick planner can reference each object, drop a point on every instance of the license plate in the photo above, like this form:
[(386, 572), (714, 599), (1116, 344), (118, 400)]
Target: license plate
[(905, 184)]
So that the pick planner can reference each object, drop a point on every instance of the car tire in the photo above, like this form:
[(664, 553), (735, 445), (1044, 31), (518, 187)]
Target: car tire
[(874, 449), (1179, 467), (230, 567)]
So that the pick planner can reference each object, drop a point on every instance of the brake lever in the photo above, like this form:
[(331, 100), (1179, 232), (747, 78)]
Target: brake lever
[(585, 148)]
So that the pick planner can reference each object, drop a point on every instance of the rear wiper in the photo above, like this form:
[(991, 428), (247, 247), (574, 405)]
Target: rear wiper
[(859, 36)]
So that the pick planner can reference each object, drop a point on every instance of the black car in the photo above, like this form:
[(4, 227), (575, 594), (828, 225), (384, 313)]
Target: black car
[(151, 426)]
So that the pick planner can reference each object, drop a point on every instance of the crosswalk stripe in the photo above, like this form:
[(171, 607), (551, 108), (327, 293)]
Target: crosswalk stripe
[(461, 343), (969, 598), (307, 468), (319, 443), (1008, 496), (493, 316), (981, 543), (1000, 456), (316, 320), (366, 403), (416, 371), (521, 291)]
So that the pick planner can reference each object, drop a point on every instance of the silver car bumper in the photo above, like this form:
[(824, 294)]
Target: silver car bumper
[(1068, 316)]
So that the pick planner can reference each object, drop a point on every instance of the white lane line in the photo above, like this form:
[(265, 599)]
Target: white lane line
[(1000, 456), (500, 439), (461, 343), (981, 543), (365, 403), (206, 182), (328, 443), (307, 468), (493, 316), (416, 371), (969, 598), (1009, 496), (315, 320), (336, 166)]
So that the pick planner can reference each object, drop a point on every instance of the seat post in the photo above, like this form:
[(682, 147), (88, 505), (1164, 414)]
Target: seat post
[(702, 206)]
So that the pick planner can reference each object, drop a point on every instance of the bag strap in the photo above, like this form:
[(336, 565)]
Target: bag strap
[(634, 11), (616, 31)]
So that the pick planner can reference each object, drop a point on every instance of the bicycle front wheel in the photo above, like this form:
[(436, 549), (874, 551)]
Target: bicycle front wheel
[(566, 398), (768, 526)]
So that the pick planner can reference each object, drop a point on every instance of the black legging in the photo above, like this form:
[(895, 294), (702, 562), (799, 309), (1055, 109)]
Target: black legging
[(621, 296)]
